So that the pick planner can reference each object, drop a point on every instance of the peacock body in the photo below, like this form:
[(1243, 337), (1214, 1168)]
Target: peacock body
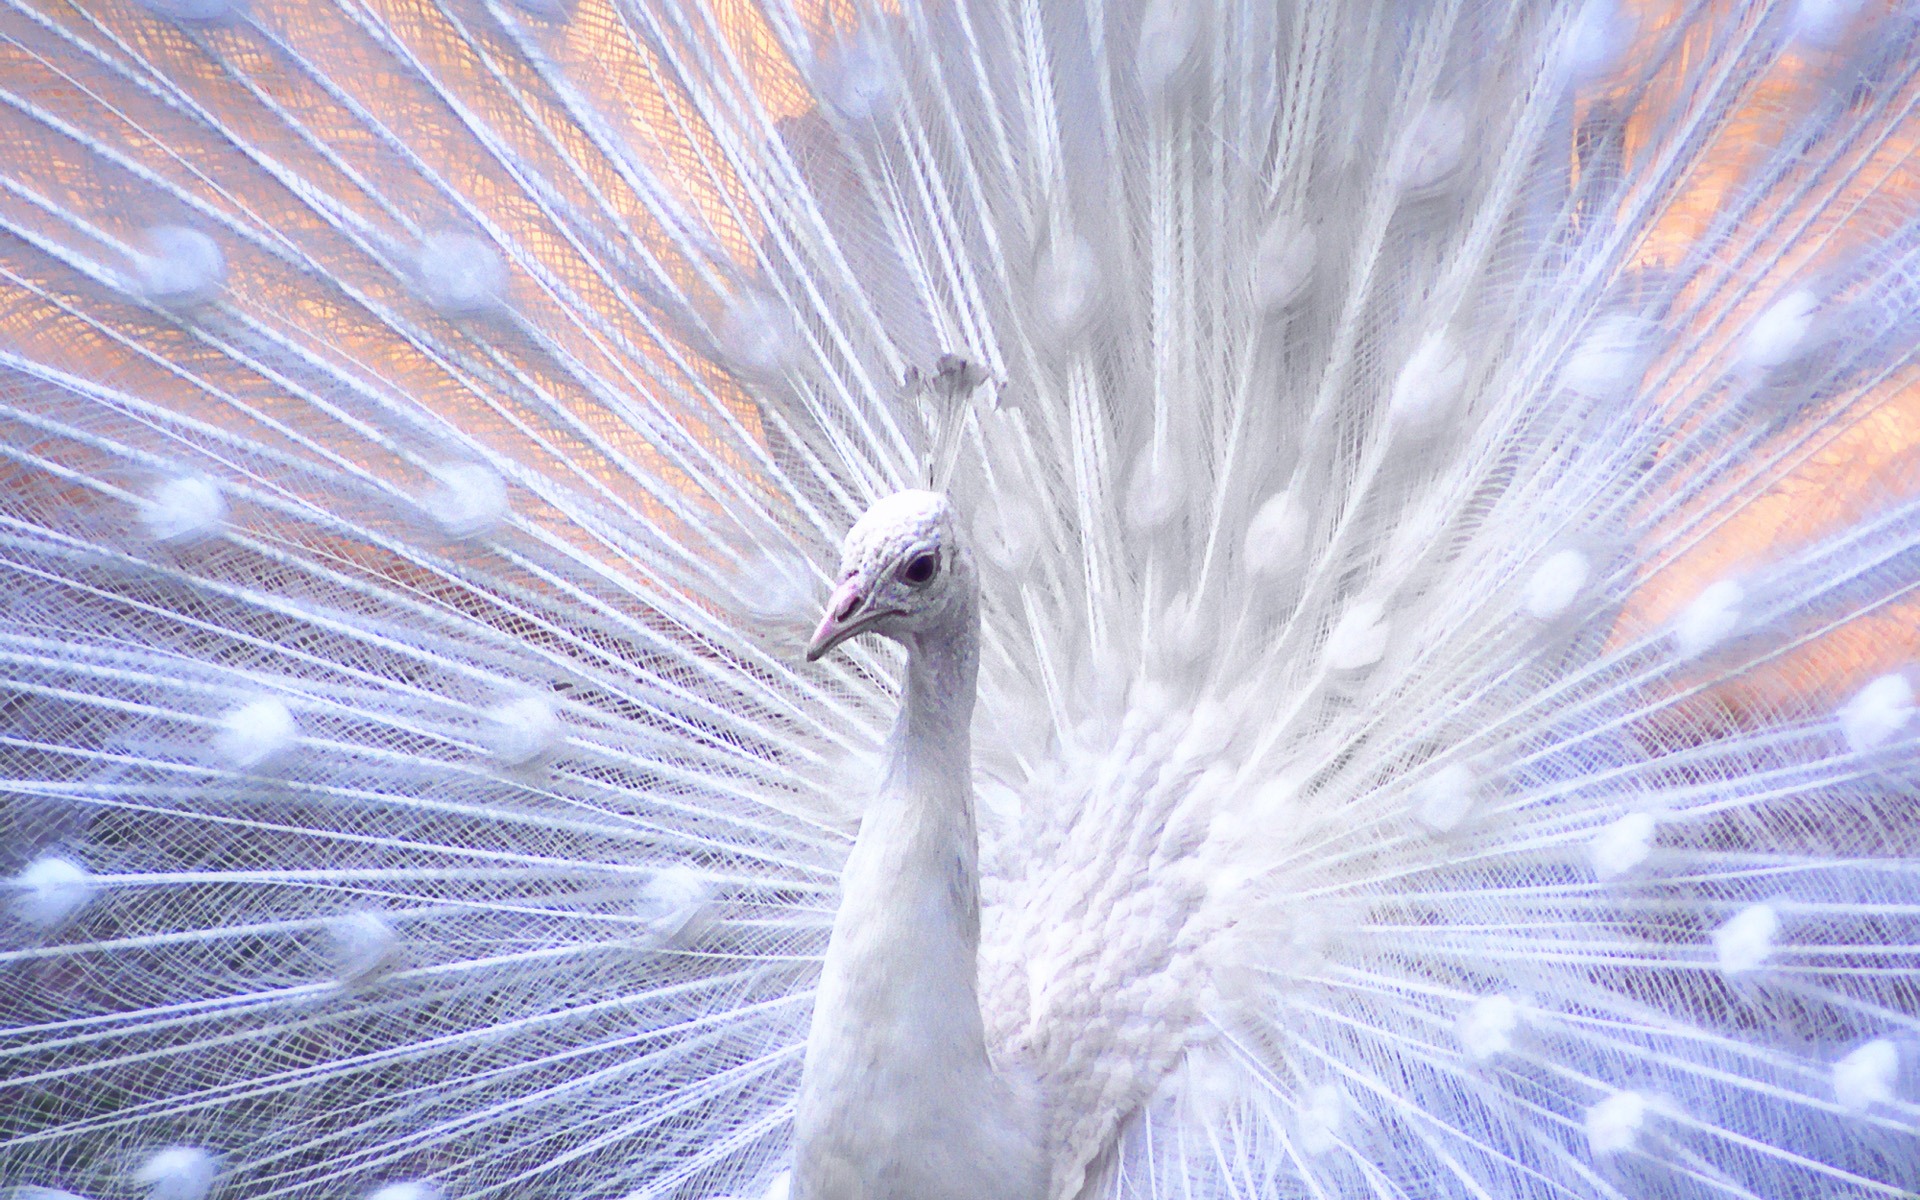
[(1438, 480)]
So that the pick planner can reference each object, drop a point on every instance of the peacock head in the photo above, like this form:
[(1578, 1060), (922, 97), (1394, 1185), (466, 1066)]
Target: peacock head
[(903, 569)]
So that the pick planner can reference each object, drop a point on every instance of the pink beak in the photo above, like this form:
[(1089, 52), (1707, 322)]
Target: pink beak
[(843, 619)]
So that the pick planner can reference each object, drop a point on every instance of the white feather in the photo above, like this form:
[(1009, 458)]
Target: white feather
[(519, 731), (1777, 335), (50, 890), (1623, 844), (460, 274), (1556, 583), (362, 946), (183, 508), (468, 500), (1359, 638), (1865, 1075), (1710, 618), (256, 733), (178, 1173), (1488, 1026), (1746, 941), (1615, 1124), (182, 266), (1877, 713)]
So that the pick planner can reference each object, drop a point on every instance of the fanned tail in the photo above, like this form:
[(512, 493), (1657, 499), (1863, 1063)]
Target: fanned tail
[(408, 765), (1468, 748)]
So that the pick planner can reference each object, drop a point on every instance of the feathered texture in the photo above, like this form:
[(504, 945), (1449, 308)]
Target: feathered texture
[(1443, 484)]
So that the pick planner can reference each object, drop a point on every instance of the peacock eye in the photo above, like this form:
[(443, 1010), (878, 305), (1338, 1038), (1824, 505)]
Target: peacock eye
[(921, 569)]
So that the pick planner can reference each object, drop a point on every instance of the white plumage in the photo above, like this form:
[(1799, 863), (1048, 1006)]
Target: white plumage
[(1438, 479)]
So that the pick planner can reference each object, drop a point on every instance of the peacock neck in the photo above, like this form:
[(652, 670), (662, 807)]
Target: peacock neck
[(899, 1098), (919, 828), (932, 742)]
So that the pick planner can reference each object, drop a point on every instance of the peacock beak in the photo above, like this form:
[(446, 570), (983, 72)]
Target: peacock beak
[(846, 615)]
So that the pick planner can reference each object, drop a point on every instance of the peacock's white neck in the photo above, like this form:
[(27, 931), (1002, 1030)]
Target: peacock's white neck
[(932, 743), (899, 1098)]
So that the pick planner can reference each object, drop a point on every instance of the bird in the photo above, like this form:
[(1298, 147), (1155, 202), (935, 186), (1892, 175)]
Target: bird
[(899, 1096), (1043, 599)]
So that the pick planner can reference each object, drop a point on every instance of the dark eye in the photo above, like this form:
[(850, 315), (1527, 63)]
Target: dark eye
[(921, 568)]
